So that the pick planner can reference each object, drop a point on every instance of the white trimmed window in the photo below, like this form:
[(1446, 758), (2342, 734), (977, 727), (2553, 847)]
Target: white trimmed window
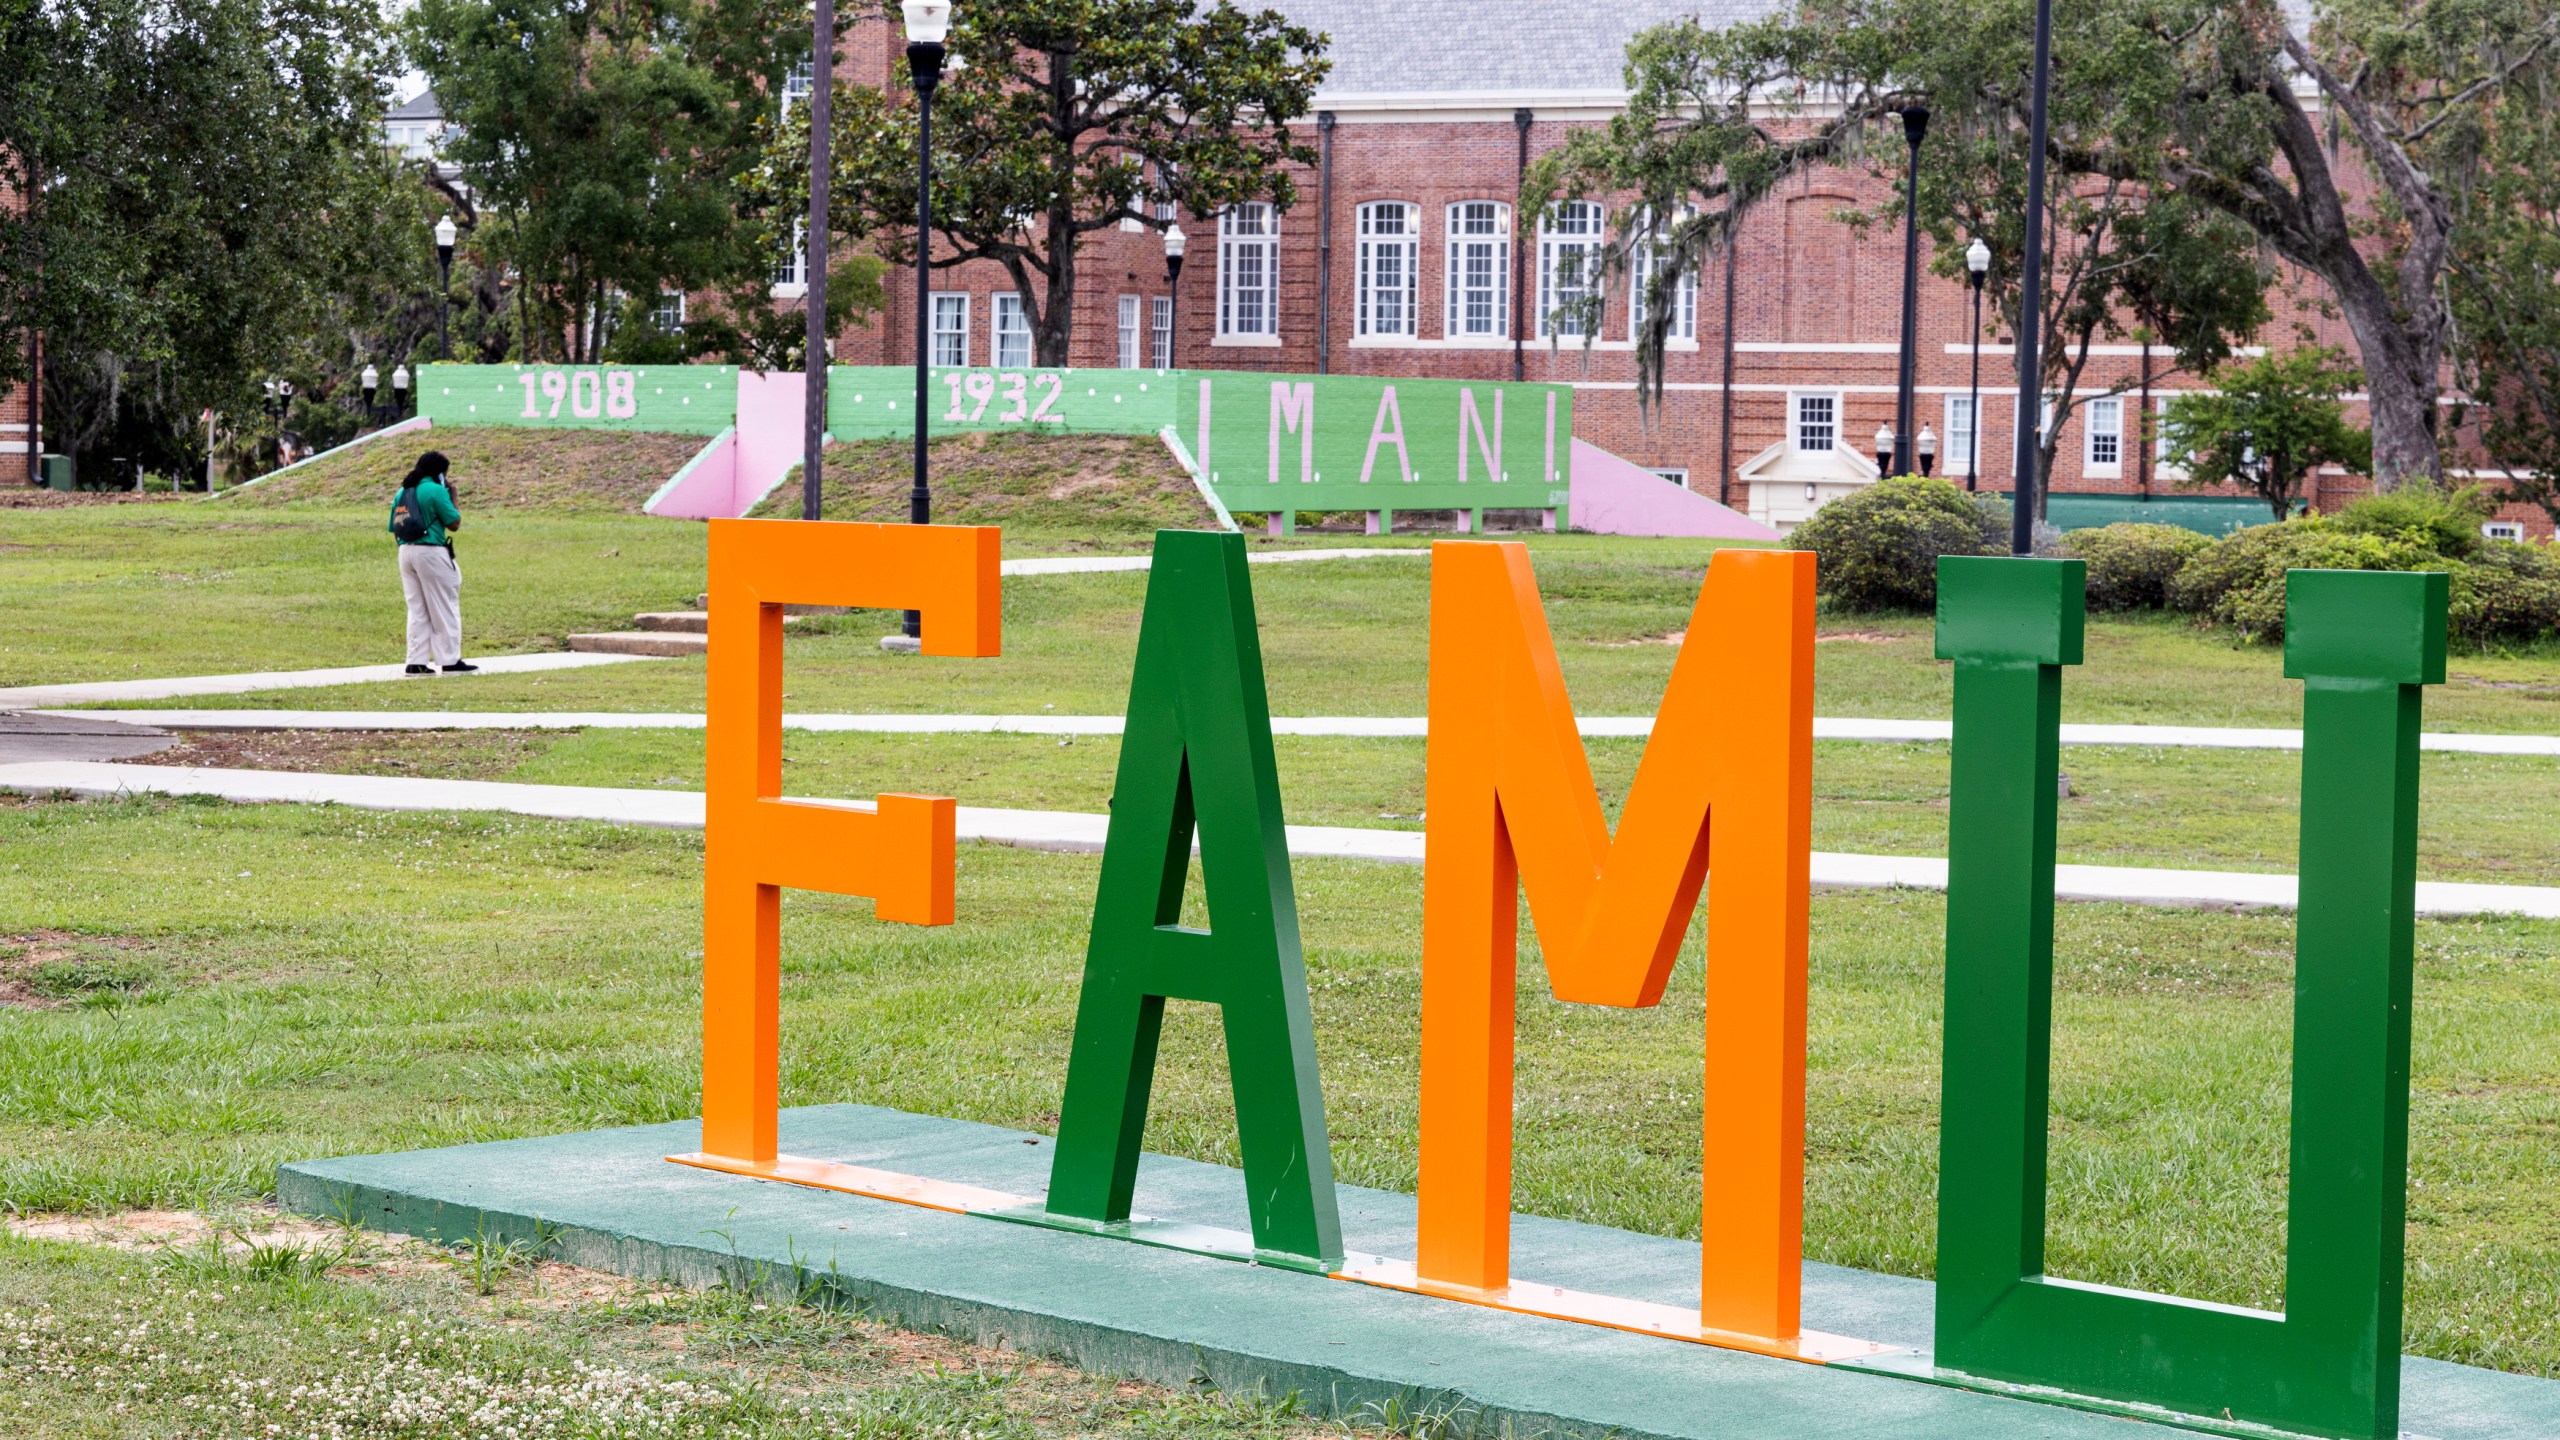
[(2170, 466), (1009, 333), (1128, 332), (1568, 267), (1249, 270), (2102, 436), (668, 314), (951, 329), (1479, 277), (1160, 323), (791, 277), (799, 85), (1958, 451), (2502, 529), (1390, 268), (1814, 419), (1684, 298)]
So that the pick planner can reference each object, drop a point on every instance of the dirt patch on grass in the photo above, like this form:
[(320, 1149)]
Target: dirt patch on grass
[(496, 468), (48, 969), (425, 754), (1107, 485), (1857, 637)]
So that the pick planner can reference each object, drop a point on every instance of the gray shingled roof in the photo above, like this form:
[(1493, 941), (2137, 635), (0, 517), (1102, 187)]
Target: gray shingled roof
[(422, 106), (1491, 46)]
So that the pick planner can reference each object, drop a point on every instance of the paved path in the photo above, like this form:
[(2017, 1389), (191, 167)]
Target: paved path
[(2169, 736), (1090, 564), (1071, 831), (25, 738), (104, 692)]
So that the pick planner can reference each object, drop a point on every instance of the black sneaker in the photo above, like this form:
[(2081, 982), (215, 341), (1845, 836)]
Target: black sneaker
[(462, 667), (422, 669)]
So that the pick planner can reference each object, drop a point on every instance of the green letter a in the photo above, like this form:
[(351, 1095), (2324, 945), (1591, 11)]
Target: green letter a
[(1197, 753)]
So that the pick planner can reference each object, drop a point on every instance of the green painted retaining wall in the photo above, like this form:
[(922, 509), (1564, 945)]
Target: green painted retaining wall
[(671, 399), (2205, 514), (1266, 442)]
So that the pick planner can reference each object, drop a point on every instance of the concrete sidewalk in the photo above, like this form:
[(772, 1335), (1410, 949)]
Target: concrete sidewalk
[(108, 692), (1073, 831), (1339, 726), (608, 1199)]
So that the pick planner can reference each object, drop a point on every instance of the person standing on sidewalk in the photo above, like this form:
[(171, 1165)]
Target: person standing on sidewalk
[(423, 519)]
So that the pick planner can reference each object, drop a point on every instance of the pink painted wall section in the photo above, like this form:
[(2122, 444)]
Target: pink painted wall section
[(770, 410), (1613, 497), (706, 488)]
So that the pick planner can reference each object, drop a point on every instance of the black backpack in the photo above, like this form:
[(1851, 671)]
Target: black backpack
[(408, 519)]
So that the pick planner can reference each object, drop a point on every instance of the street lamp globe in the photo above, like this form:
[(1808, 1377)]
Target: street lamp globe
[(372, 378), (928, 21), (445, 233), (1175, 242), (1977, 258)]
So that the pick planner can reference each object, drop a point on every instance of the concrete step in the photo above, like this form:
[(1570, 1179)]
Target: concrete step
[(697, 622), (703, 602), (641, 642)]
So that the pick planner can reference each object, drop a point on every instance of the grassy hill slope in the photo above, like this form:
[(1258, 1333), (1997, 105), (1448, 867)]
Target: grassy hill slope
[(496, 467), (1096, 486)]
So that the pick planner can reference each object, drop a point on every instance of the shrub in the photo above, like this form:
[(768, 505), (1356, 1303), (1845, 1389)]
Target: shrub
[(1878, 549), (2239, 579), (2448, 524), (2130, 566), (2505, 591)]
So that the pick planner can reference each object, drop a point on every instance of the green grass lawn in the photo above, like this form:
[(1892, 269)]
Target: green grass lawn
[(264, 1335), (2494, 819), (108, 592), (228, 987)]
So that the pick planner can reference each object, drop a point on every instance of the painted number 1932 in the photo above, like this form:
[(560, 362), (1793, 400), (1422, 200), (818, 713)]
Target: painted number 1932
[(589, 394), (972, 391)]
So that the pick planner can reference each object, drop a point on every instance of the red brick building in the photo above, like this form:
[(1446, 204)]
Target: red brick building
[(1406, 255)]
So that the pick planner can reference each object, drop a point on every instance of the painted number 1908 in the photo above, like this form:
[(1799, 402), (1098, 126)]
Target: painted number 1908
[(981, 387), (589, 394)]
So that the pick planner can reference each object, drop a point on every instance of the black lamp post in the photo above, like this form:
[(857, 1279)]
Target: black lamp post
[(370, 382), (400, 390), (928, 24), (1915, 124), (1175, 242), (1977, 264), (444, 288), (2022, 518)]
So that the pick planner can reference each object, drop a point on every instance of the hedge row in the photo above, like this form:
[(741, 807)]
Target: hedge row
[(1879, 550)]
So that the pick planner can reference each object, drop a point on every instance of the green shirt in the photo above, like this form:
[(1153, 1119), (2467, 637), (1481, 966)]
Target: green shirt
[(437, 502)]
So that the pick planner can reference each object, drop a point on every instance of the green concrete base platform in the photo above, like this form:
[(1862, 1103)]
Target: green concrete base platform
[(609, 1200)]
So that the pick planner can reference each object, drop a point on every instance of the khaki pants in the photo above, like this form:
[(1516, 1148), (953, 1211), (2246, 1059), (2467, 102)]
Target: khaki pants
[(433, 585)]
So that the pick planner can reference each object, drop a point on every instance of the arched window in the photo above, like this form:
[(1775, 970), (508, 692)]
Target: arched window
[(1479, 278), (1390, 266), (1249, 270)]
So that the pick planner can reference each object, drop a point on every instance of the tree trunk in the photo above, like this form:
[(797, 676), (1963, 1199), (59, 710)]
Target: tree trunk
[(1055, 326), (2400, 363), (2401, 342)]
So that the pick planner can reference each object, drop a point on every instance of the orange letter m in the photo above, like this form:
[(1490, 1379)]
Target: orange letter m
[(1512, 805)]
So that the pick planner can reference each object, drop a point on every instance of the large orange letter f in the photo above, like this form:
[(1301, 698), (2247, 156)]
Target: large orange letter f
[(755, 842), (1512, 803)]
